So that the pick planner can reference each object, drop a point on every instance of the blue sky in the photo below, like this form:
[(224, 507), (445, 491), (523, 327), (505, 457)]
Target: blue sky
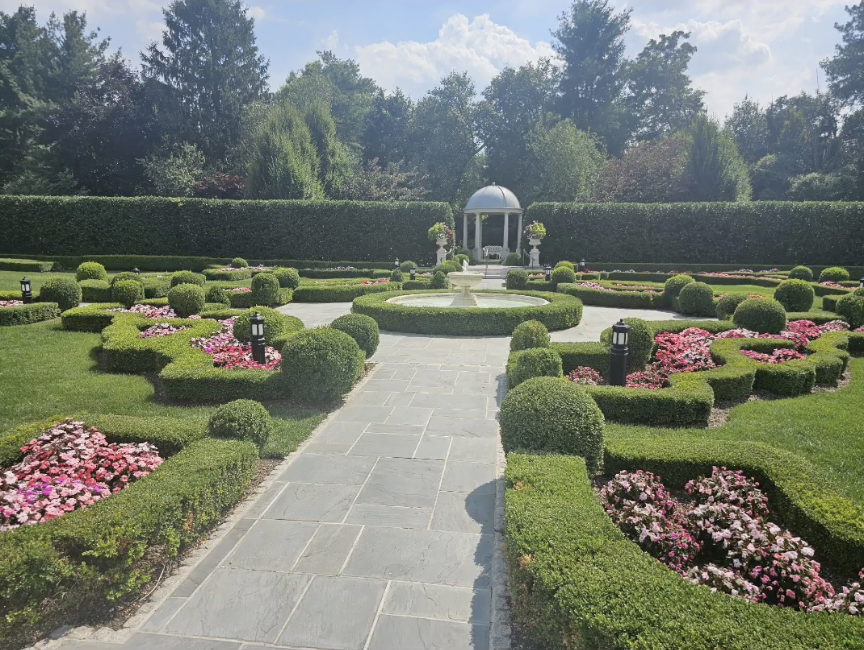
[(766, 48)]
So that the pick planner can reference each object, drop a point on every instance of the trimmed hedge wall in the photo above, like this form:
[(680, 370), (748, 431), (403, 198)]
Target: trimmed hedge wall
[(703, 233), (562, 312), (340, 293), (25, 266), (25, 314), (99, 554), (46, 225), (576, 581), (621, 299)]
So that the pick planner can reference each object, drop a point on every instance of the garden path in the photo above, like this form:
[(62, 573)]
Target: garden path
[(382, 532)]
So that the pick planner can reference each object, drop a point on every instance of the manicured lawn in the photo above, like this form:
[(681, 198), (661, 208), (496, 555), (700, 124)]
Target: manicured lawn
[(49, 372), (11, 280), (825, 428)]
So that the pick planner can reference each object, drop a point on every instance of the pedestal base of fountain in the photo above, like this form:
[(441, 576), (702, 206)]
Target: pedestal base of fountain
[(464, 299)]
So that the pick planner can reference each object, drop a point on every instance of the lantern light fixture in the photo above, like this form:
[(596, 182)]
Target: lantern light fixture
[(396, 263), (413, 273), (861, 283), (136, 271), (548, 270), (257, 340), (619, 354), (582, 266), (26, 291)]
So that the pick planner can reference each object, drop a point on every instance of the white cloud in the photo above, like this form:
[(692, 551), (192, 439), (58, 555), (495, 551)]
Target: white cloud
[(332, 41), (479, 46), (257, 13), (149, 30)]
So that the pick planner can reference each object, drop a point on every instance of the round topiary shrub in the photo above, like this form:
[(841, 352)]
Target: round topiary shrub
[(563, 274), (321, 365), (187, 277), (64, 291), (801, 273), (795, 295), (536, 362), (517, 279), (834, 274), (553, 415), (565, 263), (672, 288), (760, 315), (697, 299), (217, 294), (407, 265), (851, 308), (127, 292), (242, 419), (395, 275), (265, 289), (91, 271), (439, 281), (288, 278), (530, 334), (361, 328), (186, 299), (276, 325), (239, 263), (727, 305), (513, 259), (126, 275), (450, 266)]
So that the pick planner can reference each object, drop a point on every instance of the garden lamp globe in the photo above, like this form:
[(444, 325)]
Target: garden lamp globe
[(619, 354), (257, 340), (548, 270), (413, 273), (26, 291)]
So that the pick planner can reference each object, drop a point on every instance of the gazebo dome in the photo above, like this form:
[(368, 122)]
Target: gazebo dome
[(493, 198)]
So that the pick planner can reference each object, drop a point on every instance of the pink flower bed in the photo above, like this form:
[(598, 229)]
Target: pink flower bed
[(834, 285), (368, 283), (617, 288), (11, 303), (69, 467), (239, 290), (231, 354), (159, 330), (690, 351), (721, 537), (148, 311)]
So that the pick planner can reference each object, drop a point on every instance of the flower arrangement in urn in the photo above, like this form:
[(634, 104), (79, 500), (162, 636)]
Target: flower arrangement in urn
[(441, 231), (535, 230)]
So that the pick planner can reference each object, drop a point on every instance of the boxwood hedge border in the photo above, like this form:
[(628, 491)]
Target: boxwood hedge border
[(561, 312), (25, 314), (341, 293)]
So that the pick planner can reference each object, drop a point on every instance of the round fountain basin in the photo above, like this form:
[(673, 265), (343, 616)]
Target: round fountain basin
[(484, 301), (463, 280)]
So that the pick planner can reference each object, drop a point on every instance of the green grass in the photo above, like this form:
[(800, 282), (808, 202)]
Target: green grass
[(11, 280), (49, 372), (825, 428)]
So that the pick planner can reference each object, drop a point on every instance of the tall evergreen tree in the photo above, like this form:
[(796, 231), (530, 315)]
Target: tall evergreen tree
[(846, 70), (209, 58), (590, 42), (386, 132), (748, 125), (718, 172)]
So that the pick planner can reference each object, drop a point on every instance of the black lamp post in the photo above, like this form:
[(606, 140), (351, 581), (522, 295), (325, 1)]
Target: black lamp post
[(861, 284), (548, 270), (136, 271), (26, 291), (413, 273), (582, 266), (396, 263), (620, 352), (257, 338)]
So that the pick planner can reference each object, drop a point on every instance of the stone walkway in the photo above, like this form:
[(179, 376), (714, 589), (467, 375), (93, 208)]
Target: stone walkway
[(383, 532)]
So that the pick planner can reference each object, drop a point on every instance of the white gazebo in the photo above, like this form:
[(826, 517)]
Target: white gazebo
[(491, 200)]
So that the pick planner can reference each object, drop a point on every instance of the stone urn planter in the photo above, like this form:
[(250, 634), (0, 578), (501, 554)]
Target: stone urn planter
[(534, 253), (442, 252)]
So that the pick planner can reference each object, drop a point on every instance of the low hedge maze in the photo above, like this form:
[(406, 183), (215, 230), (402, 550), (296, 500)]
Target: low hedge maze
[(25, 314)]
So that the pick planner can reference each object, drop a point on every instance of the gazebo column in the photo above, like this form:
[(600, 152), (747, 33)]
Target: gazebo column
[(506, 232), (519, 235), (478, 238), (465, 230)]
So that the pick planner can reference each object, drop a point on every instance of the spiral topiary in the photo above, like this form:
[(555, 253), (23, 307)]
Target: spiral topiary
[(188, 277), (186, 299), (91, 271), (563, 274), (672, 288), (242, 419), (801, 273), (288, 278), (276, 325), (834, 274), (760, 315), (697, 299), (553, 415), (536, 362), (727, 305), (530, 334), (795, 295), (127, 292), (517, 279), (265, 289), (321, 365), (361, 328), (239, 263), (64, 291)]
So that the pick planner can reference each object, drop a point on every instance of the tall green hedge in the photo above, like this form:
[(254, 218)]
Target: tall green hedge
[(324, 230), (703, 233)]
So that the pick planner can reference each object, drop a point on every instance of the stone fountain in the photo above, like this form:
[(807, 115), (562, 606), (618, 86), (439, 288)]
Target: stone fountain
[(464, 281)]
